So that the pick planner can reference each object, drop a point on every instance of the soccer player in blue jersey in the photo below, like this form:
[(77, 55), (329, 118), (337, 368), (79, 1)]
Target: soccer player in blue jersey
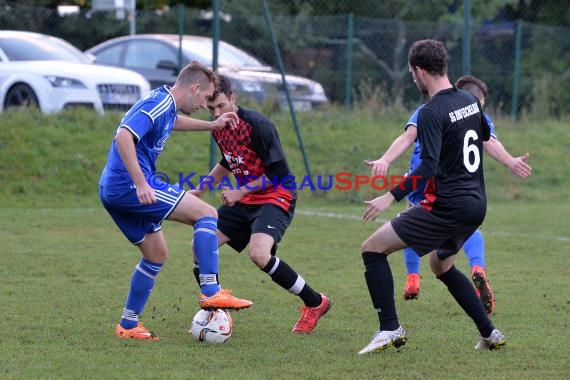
[(451, 129), (138, 202), (474, 246)]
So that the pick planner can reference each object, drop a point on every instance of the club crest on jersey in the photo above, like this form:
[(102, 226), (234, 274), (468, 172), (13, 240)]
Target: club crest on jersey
[(160, 144)]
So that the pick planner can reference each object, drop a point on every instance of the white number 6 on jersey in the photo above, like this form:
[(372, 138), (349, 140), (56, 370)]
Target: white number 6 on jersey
[(470, 150)]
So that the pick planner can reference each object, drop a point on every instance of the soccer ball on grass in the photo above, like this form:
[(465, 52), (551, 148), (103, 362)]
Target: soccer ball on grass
[(212, 326)]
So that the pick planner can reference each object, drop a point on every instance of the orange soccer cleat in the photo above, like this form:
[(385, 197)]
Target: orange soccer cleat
[(223, 300), (311, 315), (483, 289), (412, 286), (138, 332)]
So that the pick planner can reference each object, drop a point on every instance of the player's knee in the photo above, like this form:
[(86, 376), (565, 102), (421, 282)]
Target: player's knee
[(368, 246), (259, 256), (438, 266), (209, 211), (158, 255)]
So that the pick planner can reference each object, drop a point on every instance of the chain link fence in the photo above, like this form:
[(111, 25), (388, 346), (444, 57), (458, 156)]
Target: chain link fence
[(354, 58)]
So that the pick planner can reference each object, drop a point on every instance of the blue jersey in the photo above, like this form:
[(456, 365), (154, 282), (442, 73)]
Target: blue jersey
[(417, 195), (151, 121)]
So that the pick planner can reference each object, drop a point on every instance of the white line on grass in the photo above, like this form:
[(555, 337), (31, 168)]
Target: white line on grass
[(335, 215)]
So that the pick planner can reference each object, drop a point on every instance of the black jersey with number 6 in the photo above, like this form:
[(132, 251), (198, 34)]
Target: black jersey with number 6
[(451, 131)]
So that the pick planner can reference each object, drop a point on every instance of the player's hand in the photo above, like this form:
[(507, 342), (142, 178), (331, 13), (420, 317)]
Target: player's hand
[(228, 119), (520, 166), (377, 206), (231, 196), (379, 167), (145, 194)]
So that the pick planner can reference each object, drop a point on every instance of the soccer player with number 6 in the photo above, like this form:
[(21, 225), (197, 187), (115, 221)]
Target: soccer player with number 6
[(474, 246), (451, 130)]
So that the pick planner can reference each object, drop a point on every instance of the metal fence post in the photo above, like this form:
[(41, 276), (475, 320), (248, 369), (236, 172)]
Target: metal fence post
[(286, 88), (215, 46), (349, 42), (517, 71), (466, 37), (180, 34)]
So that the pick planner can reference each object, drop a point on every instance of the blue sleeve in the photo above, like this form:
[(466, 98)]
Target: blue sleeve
[(413, 120), (430, 137), (137, 123), (491, 125)]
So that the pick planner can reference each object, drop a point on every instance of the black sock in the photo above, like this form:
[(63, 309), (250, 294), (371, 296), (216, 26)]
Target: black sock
[(461, 289), (380, 283), (284, 276), (196, 271)]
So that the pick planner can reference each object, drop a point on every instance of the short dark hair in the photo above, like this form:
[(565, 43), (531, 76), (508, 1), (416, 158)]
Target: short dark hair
[(224, 87), (429, 55), (471, 84)]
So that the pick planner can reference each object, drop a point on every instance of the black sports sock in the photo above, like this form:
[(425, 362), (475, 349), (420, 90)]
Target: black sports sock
[(284, 276), (380, 283), (196, 272), (461, 289)]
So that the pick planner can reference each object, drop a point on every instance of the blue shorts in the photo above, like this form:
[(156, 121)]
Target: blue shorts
[(134, 219)]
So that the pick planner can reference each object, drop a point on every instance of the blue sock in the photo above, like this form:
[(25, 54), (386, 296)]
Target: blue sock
[(412, 261), (206, 247), (142, 283), (475, 249)]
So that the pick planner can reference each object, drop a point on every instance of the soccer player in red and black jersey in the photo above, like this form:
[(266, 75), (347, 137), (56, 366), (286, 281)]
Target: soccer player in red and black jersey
[(451, 130), (259, 207)]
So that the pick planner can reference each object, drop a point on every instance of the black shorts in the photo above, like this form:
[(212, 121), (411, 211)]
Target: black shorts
[(424, 232), (239, 221)]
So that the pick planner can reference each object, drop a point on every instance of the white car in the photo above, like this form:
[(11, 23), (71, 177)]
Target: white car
[(42, 71)]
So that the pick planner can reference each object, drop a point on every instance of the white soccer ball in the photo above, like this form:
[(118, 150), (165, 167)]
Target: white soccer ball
[(212, 326)]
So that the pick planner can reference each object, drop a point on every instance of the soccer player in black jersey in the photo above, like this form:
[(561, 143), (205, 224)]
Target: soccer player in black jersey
[(260, 210), (451, 131)]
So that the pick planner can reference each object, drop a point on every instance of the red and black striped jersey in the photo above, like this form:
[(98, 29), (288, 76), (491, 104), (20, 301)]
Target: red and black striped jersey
[(247, 152)]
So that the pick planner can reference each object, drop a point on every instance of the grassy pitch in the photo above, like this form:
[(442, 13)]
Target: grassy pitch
[(65, 274)]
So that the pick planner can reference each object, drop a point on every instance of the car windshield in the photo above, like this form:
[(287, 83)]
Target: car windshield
[(23, 48), (228, 55)]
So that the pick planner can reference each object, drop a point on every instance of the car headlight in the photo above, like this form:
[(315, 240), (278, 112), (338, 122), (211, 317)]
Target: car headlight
[(64, 82)]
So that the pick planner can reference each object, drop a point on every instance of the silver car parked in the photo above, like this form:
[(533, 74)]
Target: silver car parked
[(156, 57)]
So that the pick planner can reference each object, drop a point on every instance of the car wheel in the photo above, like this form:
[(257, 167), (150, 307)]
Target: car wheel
[(21, 95)]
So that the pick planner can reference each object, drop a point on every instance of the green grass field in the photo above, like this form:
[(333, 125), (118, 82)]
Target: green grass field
[(65, 273), (65, 268)]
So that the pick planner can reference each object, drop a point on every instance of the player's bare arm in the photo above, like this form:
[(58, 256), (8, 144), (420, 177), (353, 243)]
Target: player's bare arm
[(231, 196), (126, 148), (214, 178), (381, 166), (377, 206), (517, 165), (189, 124)]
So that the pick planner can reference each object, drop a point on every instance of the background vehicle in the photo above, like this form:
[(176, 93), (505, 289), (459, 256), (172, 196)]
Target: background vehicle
[(155, 56), (38, 70)]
